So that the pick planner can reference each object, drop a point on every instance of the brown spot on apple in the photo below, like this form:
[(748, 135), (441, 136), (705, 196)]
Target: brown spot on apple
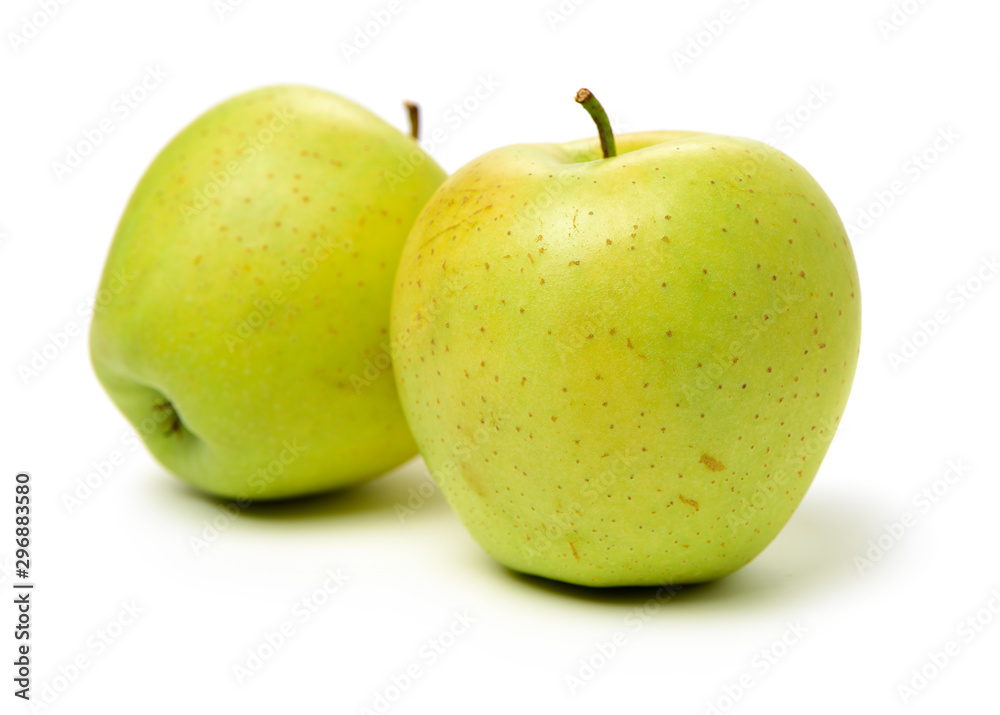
[(711, 463), (689, 502)]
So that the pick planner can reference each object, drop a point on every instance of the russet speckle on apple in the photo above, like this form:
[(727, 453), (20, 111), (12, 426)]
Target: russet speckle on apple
[(624, 358)]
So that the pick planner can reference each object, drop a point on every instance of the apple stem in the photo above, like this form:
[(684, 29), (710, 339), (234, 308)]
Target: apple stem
[(413, 110), (600, 117)]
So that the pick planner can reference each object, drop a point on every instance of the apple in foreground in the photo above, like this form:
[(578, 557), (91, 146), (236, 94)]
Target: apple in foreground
[(242, 317), (624, 367)]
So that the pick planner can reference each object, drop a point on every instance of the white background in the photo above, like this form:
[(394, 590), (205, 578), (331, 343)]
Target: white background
[(880, 98)]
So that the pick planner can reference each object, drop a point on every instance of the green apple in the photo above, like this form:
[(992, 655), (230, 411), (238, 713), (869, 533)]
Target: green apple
[(625, 368), (243, 313)]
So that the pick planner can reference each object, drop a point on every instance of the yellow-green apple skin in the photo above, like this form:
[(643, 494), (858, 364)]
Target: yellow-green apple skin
[(242, 317), (626, 371)]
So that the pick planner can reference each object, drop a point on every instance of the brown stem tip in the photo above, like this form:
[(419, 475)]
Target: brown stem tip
[(600, 117), (413, 111)]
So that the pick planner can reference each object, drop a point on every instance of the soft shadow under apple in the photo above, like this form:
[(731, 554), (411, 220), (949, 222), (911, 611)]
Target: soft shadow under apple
[(812, 556), (404, 487)]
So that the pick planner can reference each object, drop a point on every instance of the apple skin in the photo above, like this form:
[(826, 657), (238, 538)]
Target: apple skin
[(626, 371), (242, 317)]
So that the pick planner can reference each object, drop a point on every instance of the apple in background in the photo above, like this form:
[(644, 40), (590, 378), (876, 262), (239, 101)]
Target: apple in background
[(624, 368), (245, 299)]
